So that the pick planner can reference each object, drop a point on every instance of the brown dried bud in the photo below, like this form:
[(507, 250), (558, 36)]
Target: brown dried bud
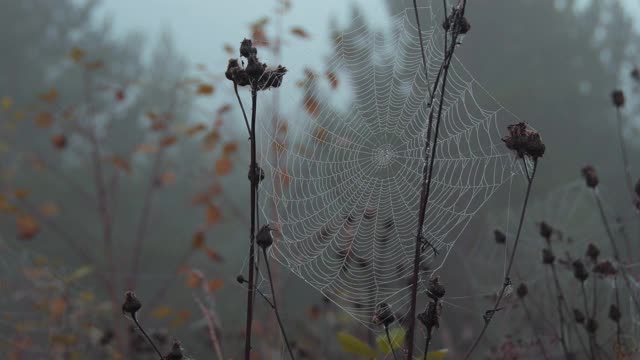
[(383, 315), (605, 268), (580, 271), (578, 316), (524, 141), (264, 238), (635, 74), (590, 176), (614, 313), (247, 49), (464, 25), (545, 230), (522, 291), (435, 290), (131, 303), (240, 279), (591, 326), (176, 352), (232, 67), (255, 68), (618, 98), (259, 175), (500, 237), (593, 252), (547, 257), (430, 318), (59, 141)]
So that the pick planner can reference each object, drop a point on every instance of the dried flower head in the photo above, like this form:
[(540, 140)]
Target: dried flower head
[(435, 290), (590, 176), (258, 173), (264, 238), (522, 290), (240, 279), (614, 313), (591, 326), (524, 141), (593, 252), (256, 73), (580, 271), (176, 352), (131, 304), (578, 316), (430, 318), (605, 268), (500, 237), (547, 257), (545, 230), (383, 315), (618, 98)]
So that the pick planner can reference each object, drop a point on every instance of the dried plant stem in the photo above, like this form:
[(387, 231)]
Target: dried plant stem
[(592, 340), (618, 330), (507, 280), (426, 344), (427, 173), (252, 256), (212, 331), (386, 330), (535, 331), (614, 248), (244, 114), (625, 155), (275, 304), (135, 320)]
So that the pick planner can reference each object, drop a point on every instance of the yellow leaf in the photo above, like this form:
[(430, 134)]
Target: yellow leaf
[(161, 312), (76, 54), (6, 102), (205, 89), (79, 273), (353, 345), (397, 339)]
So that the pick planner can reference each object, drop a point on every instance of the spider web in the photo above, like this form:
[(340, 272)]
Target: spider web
[(343, 182)]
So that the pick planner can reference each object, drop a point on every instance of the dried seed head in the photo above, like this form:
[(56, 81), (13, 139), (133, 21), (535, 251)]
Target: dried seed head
[(383, 315), (259, 175), (240, 279), (264, 238), (500, 237), (131, 303), (465, 26), (635, 74), (524, 141), (430, 318), (522, 290), (618, 98), (547, 257), (435, 290), (578, 316), (590, 176), (614, 313), (605, 268), (591, 326), (580, 271), (545, 230), (176, 352), (593, 252), (247, 49)]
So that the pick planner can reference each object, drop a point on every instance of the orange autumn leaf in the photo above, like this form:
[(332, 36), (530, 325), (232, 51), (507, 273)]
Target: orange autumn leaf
[(59, 141), (214, 285), (49, 209), (167, 178), (168, 141), (161, 312), (205, 89), (285, 178), (223, 166), (213, 214), (76, 54), (95, 65), (49, 96), (28, 227), (21, 193), (213, 255), (211, 139), (195, 129), (181, 317), (229, 148), (228, 49), (194, 279), (57, 307), (44, 119), (300, 32), (224, 109), (157, 125), (146, 149), (321, 134), (121, 164), (311, 105), (200, 199), (333, 79), (198, 240)]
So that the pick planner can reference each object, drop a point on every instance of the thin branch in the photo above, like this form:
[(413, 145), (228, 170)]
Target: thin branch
[(212, 331), (592, 340), (386, 330), (133, 316), (244, 114), (507, 280)]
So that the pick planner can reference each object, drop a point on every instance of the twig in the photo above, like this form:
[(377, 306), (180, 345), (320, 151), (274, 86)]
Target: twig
[(133, 316), (592, 340), (212, 331), (244, 114), (427, 175), (507, 280), (275, 304), (426, 343)]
